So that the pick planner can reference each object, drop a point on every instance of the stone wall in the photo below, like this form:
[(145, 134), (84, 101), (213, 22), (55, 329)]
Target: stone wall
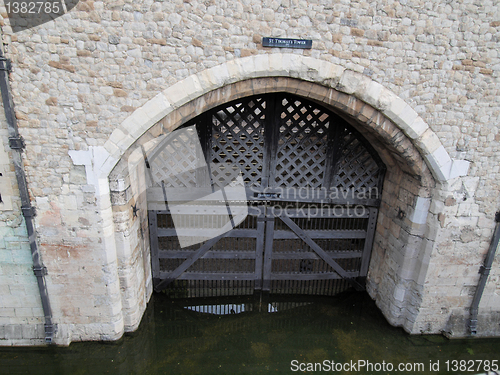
[(76, 80), (21, 314)]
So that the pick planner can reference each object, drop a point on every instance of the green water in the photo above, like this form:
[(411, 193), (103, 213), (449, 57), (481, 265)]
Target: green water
[(175, 338)]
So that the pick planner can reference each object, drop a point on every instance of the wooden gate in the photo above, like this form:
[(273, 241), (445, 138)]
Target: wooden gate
[(313, 187)]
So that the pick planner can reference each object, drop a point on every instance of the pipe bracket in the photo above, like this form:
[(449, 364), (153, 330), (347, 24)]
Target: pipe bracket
[(5, 64), (40, 271), (16, 143)]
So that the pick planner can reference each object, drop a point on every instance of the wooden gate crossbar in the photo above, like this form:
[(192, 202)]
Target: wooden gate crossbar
[(262, 274), (318, 250)]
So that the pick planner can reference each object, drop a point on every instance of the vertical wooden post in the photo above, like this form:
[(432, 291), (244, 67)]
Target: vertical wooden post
[(259, 250), (370, 232), (153, 240), (268, 253)]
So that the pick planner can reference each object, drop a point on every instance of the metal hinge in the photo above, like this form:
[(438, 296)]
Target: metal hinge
[(5, 64), (40, 271), (266, 218), (484, 270), (16, 143), (50, 330), (28, 211), (473, 326)]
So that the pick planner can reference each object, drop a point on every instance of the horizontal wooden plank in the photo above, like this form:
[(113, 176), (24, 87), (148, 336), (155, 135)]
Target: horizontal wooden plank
[(290, 210), (234, 194), (212, 276), (309, 276), (316, 211), (321, 234), (313, 195), (220, 209), (211, 210), (204, 232), (312, 255), (253, 276), (182, 254), (187, 194)]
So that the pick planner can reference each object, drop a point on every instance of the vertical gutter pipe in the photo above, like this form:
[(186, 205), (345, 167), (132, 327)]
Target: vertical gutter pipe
[(484, 271), (16, 144)]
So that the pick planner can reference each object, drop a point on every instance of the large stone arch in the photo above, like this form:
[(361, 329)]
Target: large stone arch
[(415, 157), (315, 72)]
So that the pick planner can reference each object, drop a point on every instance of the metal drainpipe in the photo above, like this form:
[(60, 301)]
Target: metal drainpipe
[(16, 144), (484, 271)]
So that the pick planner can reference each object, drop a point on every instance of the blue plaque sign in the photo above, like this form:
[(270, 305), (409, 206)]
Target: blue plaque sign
[(287, 43)]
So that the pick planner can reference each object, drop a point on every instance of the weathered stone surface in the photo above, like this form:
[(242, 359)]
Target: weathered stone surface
[(95, 81)]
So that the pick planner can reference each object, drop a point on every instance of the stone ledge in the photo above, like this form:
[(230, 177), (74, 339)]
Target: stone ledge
[(444, 168)]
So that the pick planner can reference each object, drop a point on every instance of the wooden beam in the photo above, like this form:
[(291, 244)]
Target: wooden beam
[(313, 245), (187, 263)]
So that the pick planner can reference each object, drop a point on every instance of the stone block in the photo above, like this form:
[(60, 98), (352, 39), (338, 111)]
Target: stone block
[(6, 256), (22, 257), (119, 134), (421, 210), (245, 69), (331, 73), (13, 332), (417, 128), (104, 169), (31, 331), (439, 162), (217, 76), (159, 106), (407, 268), (423, 262), (175, 95), (428, 142), (276, 65), (350, 81), (471, 184), (369, 92), (293, 64), (468, 209), (262, 65), (436, 206), (459, 168), (304, 89), (390, 102), (395, 228), (405, 117), (468, 221)]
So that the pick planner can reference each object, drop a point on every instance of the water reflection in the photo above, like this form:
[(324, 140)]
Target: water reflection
[(250, 306), (263, 335), (220, 309)]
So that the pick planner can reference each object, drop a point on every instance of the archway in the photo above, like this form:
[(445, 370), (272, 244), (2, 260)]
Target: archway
[(413, 154)]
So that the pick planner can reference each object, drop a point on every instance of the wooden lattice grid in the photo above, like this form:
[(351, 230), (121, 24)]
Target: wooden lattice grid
[(302, 143), (238, 138)]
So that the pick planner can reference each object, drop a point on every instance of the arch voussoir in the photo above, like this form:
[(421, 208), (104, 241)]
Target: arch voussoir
[(320, 80)]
